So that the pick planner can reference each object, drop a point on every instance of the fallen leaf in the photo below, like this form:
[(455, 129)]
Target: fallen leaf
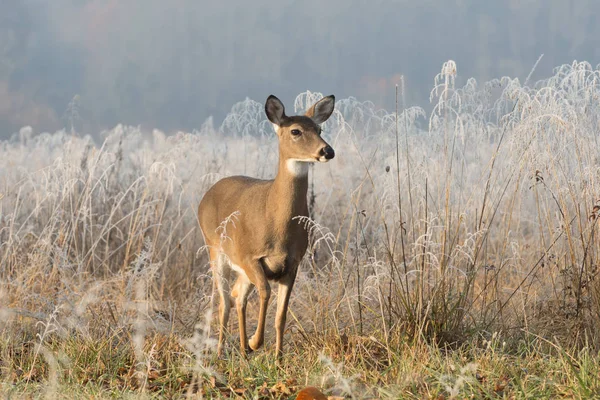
[(240, 391), (153, 375), (263, 390), (281, 389), (310, 393), (291, 382), (501, 384)]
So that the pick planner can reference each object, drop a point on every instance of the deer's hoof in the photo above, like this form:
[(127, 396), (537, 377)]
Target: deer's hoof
[(254, 343), (246, 351)]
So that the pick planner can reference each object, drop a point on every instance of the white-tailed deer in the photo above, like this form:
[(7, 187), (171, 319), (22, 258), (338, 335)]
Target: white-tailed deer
[(264, 243)]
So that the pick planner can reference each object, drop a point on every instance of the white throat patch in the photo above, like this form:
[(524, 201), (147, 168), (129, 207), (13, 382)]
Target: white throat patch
[(297, 167)]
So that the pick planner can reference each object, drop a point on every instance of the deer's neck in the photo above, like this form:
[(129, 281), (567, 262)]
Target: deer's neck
[(288, 193)]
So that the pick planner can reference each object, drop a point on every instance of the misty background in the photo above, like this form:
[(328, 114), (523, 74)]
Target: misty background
[(172, 64)]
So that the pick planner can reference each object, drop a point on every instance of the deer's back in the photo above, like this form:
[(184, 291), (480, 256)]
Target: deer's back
[(229, 205)]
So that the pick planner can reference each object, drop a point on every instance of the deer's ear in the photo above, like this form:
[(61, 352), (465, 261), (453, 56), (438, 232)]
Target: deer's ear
[(322, 109), (275, 111)]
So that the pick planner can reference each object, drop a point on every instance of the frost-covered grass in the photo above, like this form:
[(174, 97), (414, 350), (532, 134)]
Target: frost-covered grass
[(453, 254)]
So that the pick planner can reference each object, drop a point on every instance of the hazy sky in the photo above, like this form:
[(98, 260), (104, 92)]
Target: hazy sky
[(171, 64)]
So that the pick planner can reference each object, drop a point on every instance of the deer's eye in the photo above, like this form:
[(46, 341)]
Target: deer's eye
[(296, 132)]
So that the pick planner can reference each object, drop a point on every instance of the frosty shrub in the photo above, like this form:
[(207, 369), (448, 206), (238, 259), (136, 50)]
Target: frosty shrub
[(478, 217)]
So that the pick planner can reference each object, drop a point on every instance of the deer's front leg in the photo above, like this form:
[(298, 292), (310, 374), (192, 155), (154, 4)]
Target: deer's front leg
[(283, 298), (259, 280)]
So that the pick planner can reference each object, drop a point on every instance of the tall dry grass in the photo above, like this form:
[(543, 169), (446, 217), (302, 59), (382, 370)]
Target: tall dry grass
[(477, 219)]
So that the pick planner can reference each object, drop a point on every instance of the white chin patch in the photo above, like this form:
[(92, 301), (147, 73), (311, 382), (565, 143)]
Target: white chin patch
[(323, 159), (298, 167)]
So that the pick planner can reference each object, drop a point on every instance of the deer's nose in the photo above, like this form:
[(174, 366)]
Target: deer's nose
[(328, 152)]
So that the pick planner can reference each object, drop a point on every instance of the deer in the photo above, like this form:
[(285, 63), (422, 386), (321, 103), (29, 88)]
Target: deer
[(265, 240)]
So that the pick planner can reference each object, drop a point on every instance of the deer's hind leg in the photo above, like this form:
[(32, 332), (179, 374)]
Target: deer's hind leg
[(241, 290), (222, 276)]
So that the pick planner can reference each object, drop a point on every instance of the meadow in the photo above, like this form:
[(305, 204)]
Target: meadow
[(453, 254)]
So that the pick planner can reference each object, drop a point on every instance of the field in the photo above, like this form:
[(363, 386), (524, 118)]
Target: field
[(454, 253)]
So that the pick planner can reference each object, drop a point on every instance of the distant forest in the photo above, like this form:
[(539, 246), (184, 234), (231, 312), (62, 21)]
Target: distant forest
[(172, 64)]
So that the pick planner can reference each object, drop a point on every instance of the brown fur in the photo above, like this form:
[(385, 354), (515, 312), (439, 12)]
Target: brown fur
[(262, 237)]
